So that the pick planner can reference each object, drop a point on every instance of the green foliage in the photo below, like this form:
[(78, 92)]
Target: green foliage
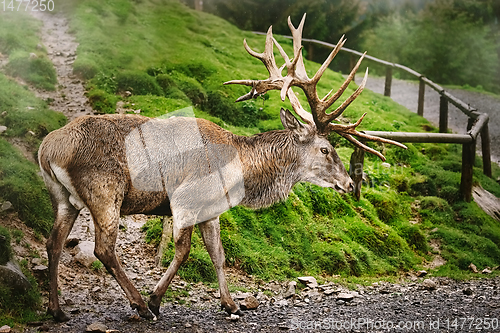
[(101, 101), (444, 41), (5, 249), (18, 307), (85, 68), (21, 185), (153, 229), (18, 32), (37, 70), (96, 266), (138, 83)]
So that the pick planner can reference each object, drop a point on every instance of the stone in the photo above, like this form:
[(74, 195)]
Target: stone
[(308, 281), (291, 289), (233, 317), (188, 325), (33, 55), (329, 291), (85, 253), (97, 327), (7, 204), (429, 284), (249, 303), (421, 273), (486, 271), (127, 93), (346, 297), (37, 261), (41, 271), (468, 291), (12, 276), (386, 165), (473, 268), (281, 303), (240, 296), (5, 329)]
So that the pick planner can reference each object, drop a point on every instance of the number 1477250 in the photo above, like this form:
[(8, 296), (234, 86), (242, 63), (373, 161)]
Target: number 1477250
[(27, 5)]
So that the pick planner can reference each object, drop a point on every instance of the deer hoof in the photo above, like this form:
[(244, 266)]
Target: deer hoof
[(154, 308), (146, 314), (58, 315)]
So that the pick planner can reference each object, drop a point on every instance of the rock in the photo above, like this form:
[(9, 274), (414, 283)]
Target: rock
[(233, 317), (429, 284), (31, 133), (127, 93), (4, 113), (85, 253), (37, 261), (468, 291), (249, 303), (421, 273), (291, 289), (7, 204), (329, 291), (308, 281), (281, 303), (486, 271), (473, 268), (137, 111), (386, 165), (5, 329), (41, 271), (33, 55), (44, 328), (12, 276), (242, 295), (188, 325), (97, 327), (346, 297)]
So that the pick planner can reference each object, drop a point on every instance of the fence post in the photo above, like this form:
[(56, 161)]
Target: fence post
[(388, 81), (468, 156), (421, 95), (443, 114), (310, 51), (356, 170), (352, 63), (485, 147)]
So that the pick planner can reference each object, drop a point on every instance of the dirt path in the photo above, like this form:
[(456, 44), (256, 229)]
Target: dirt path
[(69, 98), (406, 94)]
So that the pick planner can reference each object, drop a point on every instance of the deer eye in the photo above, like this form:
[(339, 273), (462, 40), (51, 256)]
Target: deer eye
[(324, 151)]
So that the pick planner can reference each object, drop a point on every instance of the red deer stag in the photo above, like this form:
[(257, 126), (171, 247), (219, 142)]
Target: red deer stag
[(191, 169)]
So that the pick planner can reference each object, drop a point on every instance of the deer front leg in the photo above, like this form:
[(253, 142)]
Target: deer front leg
[(210, 232), (65, 217), (182, 240)]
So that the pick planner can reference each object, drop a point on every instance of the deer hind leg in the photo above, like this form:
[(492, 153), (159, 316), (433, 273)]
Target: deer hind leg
[(66, 215), (182, 240), (210, 232), (106, 232)]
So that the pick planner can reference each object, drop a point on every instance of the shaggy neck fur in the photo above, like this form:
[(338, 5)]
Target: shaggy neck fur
[(270, 166)]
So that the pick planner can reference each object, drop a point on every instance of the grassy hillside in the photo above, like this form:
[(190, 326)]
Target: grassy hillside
[(169, 57)]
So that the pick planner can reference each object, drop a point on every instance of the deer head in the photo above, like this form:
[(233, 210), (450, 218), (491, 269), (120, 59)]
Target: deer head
[(318, 122)]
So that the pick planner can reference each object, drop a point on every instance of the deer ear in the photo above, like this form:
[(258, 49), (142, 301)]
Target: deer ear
[(291, 123)]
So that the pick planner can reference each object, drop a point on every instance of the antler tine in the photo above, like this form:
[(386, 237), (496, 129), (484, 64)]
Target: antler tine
[(362, 145), (297, 107), (300, 69), (328, 60), (267, 57), (346, 83), (338, 111)]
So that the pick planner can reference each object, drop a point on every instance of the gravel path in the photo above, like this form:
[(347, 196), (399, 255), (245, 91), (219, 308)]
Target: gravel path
[(406, 94)]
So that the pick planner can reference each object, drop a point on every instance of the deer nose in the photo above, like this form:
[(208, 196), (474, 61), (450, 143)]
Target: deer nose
[(351, 187)]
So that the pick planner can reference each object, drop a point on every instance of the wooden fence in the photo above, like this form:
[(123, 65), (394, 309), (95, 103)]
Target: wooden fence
[(477, 124)]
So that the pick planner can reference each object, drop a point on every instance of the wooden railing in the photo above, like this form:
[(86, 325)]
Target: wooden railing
[(477, 124)]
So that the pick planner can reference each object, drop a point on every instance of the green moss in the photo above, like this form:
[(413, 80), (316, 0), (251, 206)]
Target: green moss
[(37, 70), (5, 249), (101, 101), (138, 83)]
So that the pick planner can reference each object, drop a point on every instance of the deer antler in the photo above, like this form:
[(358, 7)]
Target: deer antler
[(297, 76)]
